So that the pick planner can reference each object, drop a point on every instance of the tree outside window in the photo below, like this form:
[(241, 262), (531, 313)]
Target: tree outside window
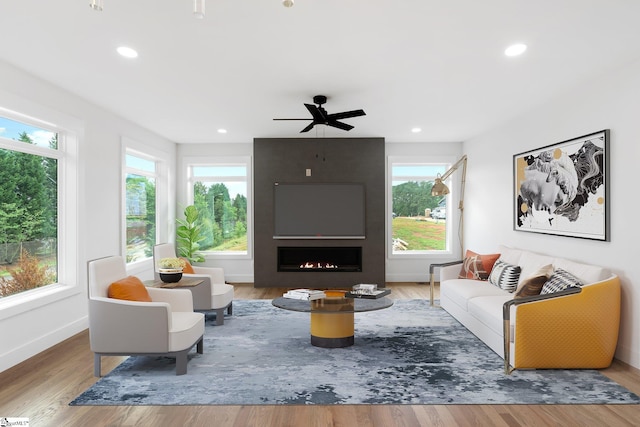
[(28, 207), (220, 195), (140, 207)]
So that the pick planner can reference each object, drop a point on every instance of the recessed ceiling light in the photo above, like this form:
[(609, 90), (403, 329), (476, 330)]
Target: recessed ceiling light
[(515, 49), (127, 52), (416, 130), (222, 131)]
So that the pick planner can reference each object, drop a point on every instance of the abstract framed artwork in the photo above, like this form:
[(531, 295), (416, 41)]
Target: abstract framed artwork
[(562, 188)]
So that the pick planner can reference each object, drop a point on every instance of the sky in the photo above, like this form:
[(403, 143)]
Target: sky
[(11, 129)]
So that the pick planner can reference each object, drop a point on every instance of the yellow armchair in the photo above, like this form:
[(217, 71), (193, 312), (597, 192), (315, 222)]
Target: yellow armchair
[(576, 328)]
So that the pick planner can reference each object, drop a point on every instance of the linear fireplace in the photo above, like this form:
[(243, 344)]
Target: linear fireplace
[(319, 259)]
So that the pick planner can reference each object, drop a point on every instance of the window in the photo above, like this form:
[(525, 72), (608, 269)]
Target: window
[(140, 206), (29, 185), (419, 221), (220, 192)]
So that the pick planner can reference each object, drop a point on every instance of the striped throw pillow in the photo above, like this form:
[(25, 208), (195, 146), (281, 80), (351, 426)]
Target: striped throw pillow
[(559, 281), (505, 276)]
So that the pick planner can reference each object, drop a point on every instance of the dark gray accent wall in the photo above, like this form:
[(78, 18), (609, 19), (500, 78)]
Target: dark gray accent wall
[(333, 160)]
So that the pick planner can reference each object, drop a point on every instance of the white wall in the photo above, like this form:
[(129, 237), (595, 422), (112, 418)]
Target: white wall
[(610, 102), (99, 207)]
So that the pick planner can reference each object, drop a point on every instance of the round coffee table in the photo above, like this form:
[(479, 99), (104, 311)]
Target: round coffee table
[(332, 318)]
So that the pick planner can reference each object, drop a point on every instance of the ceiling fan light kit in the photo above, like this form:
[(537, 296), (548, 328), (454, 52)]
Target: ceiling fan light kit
[(96, 5), (319, 115), (287, 3)]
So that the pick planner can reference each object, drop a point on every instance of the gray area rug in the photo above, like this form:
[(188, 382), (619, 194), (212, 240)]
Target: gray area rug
[(407, 354)]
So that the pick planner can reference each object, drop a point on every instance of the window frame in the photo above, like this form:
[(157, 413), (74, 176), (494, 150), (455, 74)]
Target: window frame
[(160, 159), (452, 215), (66, 154), (217, 161)]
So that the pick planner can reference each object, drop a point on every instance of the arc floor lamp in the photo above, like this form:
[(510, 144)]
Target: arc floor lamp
[(440, 189)]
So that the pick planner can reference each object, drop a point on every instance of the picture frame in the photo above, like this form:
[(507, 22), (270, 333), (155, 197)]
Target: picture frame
[(562, 189)]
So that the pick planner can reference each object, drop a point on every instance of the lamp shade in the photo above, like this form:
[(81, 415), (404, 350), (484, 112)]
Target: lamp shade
[(439, 189)]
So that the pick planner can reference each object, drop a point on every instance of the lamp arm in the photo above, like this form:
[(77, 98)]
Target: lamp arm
[(447, 174)]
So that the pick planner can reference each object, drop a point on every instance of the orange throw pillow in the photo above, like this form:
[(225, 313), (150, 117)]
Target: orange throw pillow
[(130, 288), (188, 268), (476, 266)]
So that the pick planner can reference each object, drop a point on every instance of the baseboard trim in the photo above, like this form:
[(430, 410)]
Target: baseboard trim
[(18, 355)]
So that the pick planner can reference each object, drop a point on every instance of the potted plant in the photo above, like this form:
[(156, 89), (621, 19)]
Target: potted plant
[(170, 269), (189, 235)]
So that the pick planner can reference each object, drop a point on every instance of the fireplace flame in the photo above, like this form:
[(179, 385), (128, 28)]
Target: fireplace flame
[(317, 265)]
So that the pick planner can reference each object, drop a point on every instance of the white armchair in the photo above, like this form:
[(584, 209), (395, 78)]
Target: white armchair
[(212, 294), (166, 326)]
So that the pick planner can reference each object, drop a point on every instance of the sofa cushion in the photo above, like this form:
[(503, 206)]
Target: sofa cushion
[(585, 272), (488, 310), (460, 291), (559, 281), (505, 275), (477, 266), (130, 288), (509, 255), (532, 286), (530, 262)]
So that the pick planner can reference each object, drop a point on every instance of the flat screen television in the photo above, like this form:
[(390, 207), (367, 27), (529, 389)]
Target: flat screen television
[(319, 211)]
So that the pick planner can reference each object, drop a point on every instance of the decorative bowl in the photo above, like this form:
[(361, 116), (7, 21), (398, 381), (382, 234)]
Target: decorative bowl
[(170, 275)]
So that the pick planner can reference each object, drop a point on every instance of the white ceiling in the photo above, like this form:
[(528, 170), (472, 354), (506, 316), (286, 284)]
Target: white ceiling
[(434, 64)]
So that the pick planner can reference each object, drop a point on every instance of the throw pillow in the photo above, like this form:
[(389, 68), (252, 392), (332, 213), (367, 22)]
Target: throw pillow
[(505, 275), (188, 268), (559, 281), (130, 288), (476, 266), (532, 286)]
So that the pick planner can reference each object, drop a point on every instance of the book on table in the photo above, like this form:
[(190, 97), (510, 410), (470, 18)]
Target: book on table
[(367, 291), (304, 294)]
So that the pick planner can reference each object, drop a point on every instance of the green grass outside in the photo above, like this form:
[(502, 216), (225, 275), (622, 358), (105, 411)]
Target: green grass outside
[(237, 244), (421, 234)]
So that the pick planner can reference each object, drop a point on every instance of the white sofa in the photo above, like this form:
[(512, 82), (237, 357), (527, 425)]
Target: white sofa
[(576, 328)]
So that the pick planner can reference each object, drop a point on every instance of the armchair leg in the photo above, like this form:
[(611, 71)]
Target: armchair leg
[(200, 346), (230, 308), (97, 365), (219, 316), (181, 362)]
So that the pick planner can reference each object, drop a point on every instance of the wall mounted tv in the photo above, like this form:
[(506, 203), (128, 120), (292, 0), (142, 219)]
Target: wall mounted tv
[(319, 211)]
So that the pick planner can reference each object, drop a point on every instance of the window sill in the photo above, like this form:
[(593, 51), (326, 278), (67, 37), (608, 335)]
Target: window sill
[(420, 254), (30, 300)]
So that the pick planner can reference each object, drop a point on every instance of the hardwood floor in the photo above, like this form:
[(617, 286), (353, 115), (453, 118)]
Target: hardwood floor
[(42, 387)]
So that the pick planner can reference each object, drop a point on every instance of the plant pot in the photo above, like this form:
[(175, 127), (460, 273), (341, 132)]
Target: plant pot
[(170, 275)]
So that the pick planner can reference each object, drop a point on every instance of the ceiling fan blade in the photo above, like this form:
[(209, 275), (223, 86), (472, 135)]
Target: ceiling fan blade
[(346, 114), (293, 119), (308, 128), (316, 113), (339, 125)]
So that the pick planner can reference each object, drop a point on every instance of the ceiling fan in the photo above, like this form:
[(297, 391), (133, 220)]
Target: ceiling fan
[(320, 117)]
